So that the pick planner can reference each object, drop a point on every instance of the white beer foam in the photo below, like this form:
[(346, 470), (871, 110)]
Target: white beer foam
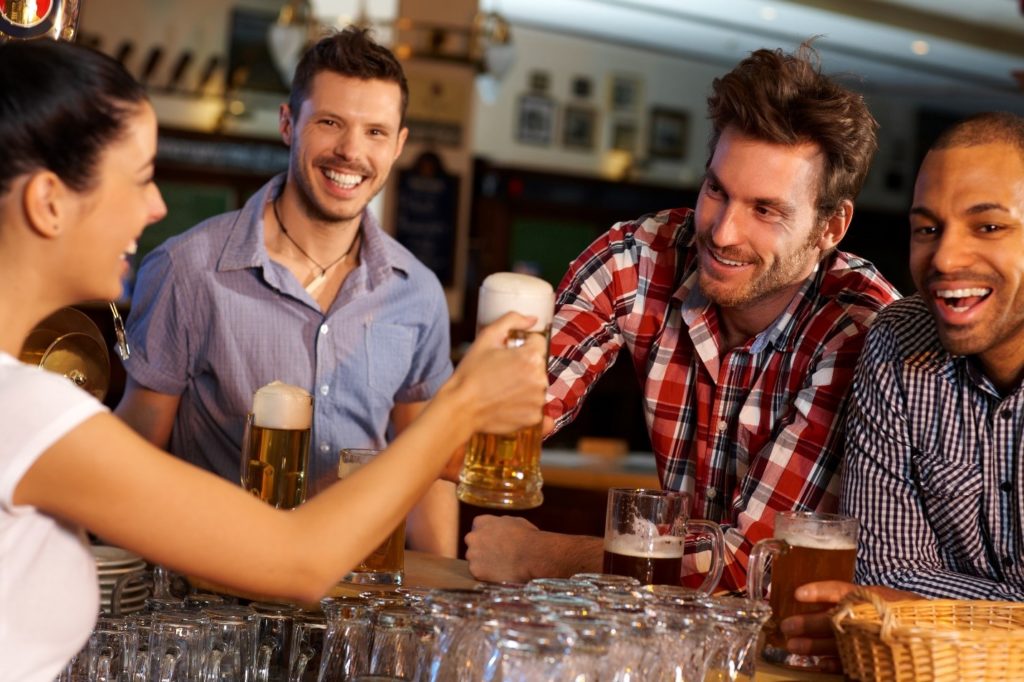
[(661, 547), (505, 292), (282, 406), (812, 541)]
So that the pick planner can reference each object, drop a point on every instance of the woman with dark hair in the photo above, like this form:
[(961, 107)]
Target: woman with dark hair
[(77, 149)]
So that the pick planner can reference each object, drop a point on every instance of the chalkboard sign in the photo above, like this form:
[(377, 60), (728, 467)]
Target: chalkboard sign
[(427, 214)]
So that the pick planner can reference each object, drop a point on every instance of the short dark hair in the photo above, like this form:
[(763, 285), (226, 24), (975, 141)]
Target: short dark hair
[(985, 128), (60, 106), (786, 99), (352, 53)]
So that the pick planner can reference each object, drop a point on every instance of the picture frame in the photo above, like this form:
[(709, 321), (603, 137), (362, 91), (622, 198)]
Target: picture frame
[(624, 135), (667, 134), (625, 92), (578, 128), (535, 120), (581, 87)]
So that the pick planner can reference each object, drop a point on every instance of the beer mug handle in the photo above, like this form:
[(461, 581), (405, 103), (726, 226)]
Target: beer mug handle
[(770, 547), (717, 552), (168, 664), (244, 454), (212, 665)]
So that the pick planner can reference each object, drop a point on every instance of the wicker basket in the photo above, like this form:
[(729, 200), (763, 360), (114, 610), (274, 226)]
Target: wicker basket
[(929, 639)]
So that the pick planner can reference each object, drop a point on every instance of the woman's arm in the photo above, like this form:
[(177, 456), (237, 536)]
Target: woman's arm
[(104, 477)]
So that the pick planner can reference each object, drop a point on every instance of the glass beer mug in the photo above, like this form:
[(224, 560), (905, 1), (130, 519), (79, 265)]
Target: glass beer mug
[(645, 537), (807, 547), (504, 471), (386, 564), (275, 445)]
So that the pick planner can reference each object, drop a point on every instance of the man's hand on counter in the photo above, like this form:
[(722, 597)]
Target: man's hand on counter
[(511, 549)]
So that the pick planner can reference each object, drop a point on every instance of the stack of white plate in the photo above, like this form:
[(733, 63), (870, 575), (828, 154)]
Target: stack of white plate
[(114, 564)]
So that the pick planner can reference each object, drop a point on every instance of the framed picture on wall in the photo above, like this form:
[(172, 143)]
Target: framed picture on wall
[(667, 134), (536, 120), (578, 128), (624, 136), (625, 92)]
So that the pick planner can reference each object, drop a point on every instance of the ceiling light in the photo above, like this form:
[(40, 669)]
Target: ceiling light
[(769, 13), (920, 47)]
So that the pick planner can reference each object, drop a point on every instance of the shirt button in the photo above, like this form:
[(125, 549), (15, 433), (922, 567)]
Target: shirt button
[(721, 425), (1006, 486), (324, 447), (1007, 562), (325, 389), (710, 493), (324, 329), (1006, 415)]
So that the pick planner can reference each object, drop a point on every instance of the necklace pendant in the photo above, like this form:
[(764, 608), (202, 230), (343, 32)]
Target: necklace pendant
[(316, 284)]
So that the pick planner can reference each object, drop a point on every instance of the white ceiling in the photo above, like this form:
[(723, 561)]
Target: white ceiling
[(928, 48)]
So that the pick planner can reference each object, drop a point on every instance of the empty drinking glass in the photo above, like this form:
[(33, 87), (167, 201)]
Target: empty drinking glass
[(348, 639)]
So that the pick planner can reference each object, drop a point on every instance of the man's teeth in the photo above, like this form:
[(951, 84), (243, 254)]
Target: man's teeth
[(346, 180), (962, 293), (961, 300), (132, 248), (726, 261)]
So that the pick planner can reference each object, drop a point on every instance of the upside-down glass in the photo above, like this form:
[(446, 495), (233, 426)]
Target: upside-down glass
[(504, 471), (348, 640), (645, 536), (385, 565), (275, 445), (807, 547)]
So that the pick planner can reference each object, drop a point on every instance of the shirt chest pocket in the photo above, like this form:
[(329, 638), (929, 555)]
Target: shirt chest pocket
[(389, 349), (951, 491)]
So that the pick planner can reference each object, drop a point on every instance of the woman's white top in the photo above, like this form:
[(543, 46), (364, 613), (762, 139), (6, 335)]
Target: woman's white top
[(49, 595)]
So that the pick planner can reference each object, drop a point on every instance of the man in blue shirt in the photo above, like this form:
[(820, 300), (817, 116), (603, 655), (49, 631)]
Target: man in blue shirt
[(300, 285), (933, 446)]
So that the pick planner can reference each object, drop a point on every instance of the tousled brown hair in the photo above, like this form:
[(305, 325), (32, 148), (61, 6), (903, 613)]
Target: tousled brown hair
[(786, 99), (352, 53)]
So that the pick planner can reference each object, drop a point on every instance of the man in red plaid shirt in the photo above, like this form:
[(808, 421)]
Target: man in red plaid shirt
[(741, 318)]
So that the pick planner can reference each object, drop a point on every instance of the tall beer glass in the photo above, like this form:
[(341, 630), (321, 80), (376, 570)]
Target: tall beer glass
[(386, 564), (504, 471), (645, 536), (275, 445), (807, 547)]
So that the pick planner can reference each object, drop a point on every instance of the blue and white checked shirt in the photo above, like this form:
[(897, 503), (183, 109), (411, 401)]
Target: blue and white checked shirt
[(933, 466)]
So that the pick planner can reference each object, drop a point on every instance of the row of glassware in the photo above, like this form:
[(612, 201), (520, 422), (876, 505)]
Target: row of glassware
[(590, 628)]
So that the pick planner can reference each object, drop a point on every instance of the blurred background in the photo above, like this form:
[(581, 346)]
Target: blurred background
[(536, 124)]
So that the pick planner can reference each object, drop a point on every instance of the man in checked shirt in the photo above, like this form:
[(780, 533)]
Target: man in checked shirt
[(934, 438), (741, 318)]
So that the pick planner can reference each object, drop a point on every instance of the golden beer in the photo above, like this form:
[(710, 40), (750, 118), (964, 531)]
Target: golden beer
[(385, 565), (275, 445), (503, 471), (275, 463), (807, 547)]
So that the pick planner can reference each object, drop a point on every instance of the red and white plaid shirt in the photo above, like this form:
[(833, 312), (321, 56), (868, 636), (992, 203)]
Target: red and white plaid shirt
[(747, 433)]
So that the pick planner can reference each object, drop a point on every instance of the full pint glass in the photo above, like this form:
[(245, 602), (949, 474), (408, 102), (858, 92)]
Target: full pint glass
[(275, 445), (504, 471), (386, 564), (807, 547), (645, 535)]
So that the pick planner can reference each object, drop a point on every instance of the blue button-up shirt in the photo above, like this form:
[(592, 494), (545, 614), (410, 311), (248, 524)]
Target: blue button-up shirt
[(933, 466), (214, 318)]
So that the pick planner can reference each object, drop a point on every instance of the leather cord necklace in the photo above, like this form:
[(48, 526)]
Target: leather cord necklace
[(317, 283)]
